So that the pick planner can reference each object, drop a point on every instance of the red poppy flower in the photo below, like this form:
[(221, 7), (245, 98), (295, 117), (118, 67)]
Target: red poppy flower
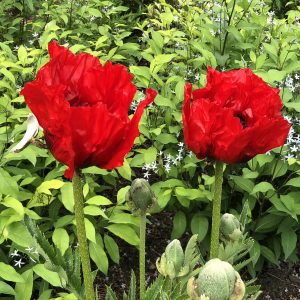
[(235, 117), (83, 108)]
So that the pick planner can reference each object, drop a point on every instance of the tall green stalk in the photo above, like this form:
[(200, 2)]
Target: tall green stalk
[(81, 234), (216, 213), (142, 254)]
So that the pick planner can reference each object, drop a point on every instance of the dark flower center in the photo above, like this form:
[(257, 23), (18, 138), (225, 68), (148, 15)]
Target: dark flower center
[(242, 119)]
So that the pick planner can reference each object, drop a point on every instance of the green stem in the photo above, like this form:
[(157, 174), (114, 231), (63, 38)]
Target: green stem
[(216, 213), (81, 234), (142, 254)]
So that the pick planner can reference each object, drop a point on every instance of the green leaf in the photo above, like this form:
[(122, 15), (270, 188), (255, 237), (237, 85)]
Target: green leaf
[(243, 183), (51, 184), (24, 289), (112, 248), (199, 226), (267, 223), (166, 138), (121, 194), (6, 289), (294, 182), (125, 232), (262, 187), (150, 155), (179, 225), (67, 197), (22, 54), (98, 200), (288, 242), (18, 233), (93, 210), (125, 170), (9, 75), (8, 273), (61, 239), (49, 276), (98, 255), (90, 230), (8, 185), (268, 254)]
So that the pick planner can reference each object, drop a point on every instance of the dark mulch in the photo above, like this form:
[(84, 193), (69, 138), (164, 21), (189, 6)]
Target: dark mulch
[(278, 283)]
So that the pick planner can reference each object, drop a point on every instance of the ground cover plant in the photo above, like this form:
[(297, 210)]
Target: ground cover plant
[(147, 152)]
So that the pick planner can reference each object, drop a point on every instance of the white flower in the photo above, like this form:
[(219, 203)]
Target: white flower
[(146, 175), (175, 18), (15, 253), (29, 249), (294, 148), (92, 18), (35, 34), (19, 263)]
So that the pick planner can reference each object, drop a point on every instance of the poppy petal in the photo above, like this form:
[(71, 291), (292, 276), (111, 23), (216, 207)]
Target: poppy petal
[(124, 147)]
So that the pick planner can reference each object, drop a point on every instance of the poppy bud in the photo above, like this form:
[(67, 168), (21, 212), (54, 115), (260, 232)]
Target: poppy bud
[(217, 280), (172, 262), (140, 196), (230, 227)]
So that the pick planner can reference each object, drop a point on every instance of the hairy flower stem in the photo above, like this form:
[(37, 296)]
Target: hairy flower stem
[(216, 213), (142, 254), (81, 234)]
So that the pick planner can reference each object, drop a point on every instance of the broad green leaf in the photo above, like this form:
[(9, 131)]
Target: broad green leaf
[(49, 276), (125, 232), (98, 255), (112, 248), (67, 197), (61, 239), (294, 182), (90, 230), (125, 170), (150, 155), (8, 185), (179, 225), (51, 184), (199, 226), (6, 289), (98, 200), (262, 187), (121, 194), (267, 223), (8, 273), (93, 210), (24, 289), (243, 183), (288, 242)]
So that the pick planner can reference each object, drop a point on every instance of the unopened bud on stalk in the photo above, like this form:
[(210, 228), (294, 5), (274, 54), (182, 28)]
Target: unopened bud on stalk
[(172, 262), (230, 228), (140, 196), (217, 280)]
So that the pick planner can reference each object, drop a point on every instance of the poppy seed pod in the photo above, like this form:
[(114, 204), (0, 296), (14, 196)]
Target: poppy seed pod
[(140, 196), (217, 280), (230, 227)]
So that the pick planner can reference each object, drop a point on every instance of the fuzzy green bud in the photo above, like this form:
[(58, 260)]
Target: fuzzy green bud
[(230, 228), (140, 196), (171, 263), (217, 280)]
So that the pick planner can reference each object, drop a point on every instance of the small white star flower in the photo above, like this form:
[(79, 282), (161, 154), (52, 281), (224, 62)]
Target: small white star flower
[(19, 263)]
